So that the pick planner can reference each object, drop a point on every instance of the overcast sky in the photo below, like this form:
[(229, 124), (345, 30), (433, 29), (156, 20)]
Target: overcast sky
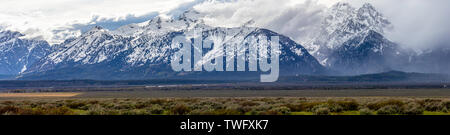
[(55, 19), (416, 23)]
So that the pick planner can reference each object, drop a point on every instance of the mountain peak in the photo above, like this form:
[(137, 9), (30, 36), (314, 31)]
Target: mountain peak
[(157, 20), (368, 6), (368, 9), (11, 34), (97, 28), (373, 19), (17, 54), (249, 23), (373, 33), (341, 23), (342, 6), (190, 15)]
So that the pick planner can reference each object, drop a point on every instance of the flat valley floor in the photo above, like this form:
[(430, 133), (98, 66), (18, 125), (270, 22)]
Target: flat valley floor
[(413, 93), (229, 102)]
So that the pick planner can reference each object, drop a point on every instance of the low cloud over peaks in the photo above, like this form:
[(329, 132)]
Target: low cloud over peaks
[(291, 18), (416, 23)]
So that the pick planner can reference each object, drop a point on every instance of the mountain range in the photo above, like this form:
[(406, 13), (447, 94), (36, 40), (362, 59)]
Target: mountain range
[(17, 55), (350, 41), (142, 51)]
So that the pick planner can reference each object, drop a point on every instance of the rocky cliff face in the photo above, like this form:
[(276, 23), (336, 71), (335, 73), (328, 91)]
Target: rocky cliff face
[(17, 55), (142, 51)]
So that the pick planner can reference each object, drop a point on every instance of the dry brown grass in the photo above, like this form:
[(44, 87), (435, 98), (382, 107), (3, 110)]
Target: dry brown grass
[(38, 95), (224, 106)]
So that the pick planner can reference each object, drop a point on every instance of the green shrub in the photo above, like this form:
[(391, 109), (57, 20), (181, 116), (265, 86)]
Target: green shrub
[(389, 110), (244, 109), (322, 109), (93, 102), (381, 104), (38, 111), (9, 109), (432, 100), (180, 110), (292, 107), (445, 104), (270, 112), (335, 108), (7, 103), (249, 103), (412, 109), (445, 110), (264, 107), (303, 106), (76, 105), (156, 109), (348, 105), (283, 110), (59, 111), (134, 112), (226, 112), (26, 111), (217, 112), (13, 110), (331, 107), (433, 106), (157, 101), (141, 105), (97, 110), (125, 106), (200, 112), (365, 111)]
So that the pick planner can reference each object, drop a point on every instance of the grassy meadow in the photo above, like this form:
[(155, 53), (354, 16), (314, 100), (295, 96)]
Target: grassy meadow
[(226, 106)]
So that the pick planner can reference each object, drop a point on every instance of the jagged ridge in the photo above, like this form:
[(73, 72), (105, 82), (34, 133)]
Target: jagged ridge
[(17, 55), (145, 52)]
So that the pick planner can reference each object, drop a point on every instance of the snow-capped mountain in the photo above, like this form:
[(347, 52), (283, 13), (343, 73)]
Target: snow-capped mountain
[(369, 52), (432, 60), (351, 41), (341, 23), (17, 55), (142, 51)]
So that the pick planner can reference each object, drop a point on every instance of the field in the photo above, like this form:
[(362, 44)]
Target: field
[(142, 101), (38, 95)]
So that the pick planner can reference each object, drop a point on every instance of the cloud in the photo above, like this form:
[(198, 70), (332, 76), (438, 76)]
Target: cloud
[(112, 23), (3, 26), (293, 18), (183, 7), (55, 20), (299, 21), (417, 23)]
